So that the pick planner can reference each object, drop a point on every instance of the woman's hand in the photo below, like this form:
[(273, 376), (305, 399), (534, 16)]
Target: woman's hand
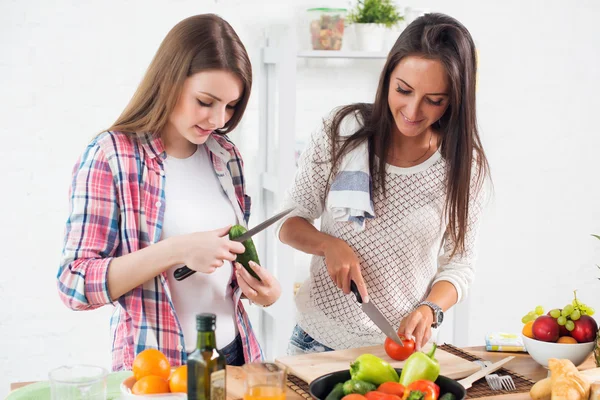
[(264, 292), (417, 326), (207, 251), (343, 266)]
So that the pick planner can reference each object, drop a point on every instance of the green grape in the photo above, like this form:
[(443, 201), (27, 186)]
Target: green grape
[(575, 315), (555, 313), (568, 309), (525, 319), (590, 311), (539, 310), (576, 303), (561, 320), (570, 325), (583, 309)]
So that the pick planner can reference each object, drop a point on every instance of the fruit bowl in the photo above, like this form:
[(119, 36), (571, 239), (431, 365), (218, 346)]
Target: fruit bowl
[(541, 351), (128, 383)]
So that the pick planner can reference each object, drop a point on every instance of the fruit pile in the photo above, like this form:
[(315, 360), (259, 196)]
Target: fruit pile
[(571, 324), (153, 374)]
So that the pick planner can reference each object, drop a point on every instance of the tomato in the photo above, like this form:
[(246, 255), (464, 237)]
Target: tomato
[(398, 352), (354, 396), (376, 395), (392, 388)]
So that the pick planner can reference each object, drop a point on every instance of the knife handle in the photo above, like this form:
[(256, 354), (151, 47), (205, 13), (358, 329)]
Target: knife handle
[(182, 273), (354, 289)]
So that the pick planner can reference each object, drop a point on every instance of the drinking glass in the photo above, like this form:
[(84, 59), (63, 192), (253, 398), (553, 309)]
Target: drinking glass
[(78, 382), (264, 381)]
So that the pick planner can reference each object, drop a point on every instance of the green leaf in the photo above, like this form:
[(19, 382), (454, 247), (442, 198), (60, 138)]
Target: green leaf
[(596, 236)]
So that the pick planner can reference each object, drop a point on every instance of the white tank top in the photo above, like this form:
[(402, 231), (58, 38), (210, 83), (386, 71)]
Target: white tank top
[(195, 202)]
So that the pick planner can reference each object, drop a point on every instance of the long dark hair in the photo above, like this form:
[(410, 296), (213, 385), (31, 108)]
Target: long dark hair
[(198, 43), (439, 37)]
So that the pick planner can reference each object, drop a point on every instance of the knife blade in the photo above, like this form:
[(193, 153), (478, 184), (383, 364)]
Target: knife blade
[(262, 226), (183, 272), (376, 316)]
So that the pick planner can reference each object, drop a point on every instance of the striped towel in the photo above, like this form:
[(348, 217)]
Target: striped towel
[(349, 198)]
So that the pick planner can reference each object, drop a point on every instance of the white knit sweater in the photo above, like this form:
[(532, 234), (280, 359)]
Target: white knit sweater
[(403, 251)]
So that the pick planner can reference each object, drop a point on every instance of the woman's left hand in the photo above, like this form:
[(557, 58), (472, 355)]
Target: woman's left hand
[(264, 292), (417, 326)]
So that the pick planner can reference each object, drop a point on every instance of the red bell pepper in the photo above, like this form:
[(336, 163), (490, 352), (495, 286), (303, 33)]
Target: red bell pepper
[(392, 388), (421, 390), (376, 395)]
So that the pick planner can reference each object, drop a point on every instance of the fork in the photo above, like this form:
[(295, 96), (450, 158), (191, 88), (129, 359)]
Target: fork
[(507, 383), (468, 381), (496, 382)]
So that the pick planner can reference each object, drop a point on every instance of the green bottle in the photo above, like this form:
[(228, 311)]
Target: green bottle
[(206, 365)]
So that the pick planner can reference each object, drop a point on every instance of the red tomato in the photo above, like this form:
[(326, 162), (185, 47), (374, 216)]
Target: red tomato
[(391, 388), (376, 395), (354, 396), (398, 352)]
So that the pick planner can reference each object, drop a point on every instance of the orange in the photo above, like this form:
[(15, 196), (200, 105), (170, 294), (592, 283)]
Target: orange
[(566, 339), (151, 362), (528, 329), (151, 385), (178, 380)]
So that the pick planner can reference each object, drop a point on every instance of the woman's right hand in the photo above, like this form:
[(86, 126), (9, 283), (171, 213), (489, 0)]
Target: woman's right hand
[(343, 266), (207, 251)]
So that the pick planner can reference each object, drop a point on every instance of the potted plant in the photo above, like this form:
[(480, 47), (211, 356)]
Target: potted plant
[(370, 18)]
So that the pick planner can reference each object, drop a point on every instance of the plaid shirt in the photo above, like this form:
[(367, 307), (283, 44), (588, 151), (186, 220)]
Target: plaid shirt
[(117, 207)]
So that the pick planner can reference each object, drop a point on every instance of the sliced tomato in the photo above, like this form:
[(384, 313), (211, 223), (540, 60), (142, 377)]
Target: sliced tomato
[(397, 352), (392, 388)]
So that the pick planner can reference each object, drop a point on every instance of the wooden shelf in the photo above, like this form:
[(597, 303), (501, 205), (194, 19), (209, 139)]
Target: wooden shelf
[(341, 54)]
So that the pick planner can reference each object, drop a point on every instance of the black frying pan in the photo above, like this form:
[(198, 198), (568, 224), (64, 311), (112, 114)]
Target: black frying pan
[(320, 387)]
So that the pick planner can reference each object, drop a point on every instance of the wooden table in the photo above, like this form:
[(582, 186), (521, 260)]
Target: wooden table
[(522, 364)]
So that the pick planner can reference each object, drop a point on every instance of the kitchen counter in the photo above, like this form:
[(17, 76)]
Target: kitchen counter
[(522, 364)]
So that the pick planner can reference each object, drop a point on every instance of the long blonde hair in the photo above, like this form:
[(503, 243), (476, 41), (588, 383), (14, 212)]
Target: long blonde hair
[(198, 43)]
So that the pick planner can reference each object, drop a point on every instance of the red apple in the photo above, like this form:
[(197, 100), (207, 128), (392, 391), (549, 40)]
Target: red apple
[(585, 329), (562, 330), (545, 328)]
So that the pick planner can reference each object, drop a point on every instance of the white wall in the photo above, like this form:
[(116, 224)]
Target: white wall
[(68, 68)]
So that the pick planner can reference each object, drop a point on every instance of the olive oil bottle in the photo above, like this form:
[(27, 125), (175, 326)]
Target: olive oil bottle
[(206, 365)]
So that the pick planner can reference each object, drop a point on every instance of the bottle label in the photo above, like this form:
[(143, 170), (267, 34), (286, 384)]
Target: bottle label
[(217, 385)]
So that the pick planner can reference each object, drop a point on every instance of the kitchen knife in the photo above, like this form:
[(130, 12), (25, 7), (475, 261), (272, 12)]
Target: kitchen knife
[(183, 272), (376, 316)]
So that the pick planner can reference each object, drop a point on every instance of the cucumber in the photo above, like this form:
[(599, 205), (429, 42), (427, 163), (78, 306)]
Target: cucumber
[(448, 396), (250, 253), (337, 393), (358, 386)]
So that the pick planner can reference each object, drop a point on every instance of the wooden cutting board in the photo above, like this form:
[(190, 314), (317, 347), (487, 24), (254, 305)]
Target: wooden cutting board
[(310, 366)]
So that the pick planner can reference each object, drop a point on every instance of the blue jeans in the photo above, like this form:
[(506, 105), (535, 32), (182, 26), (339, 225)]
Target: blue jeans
[(302, 343), (234, 352)]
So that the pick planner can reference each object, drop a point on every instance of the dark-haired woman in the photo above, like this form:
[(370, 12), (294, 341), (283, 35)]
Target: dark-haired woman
[(399, 186), (161, 188)]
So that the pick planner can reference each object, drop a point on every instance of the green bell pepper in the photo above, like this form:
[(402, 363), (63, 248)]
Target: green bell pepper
[(420, 366), (370, 368)]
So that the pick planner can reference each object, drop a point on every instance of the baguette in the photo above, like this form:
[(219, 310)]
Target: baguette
[(542, 390)]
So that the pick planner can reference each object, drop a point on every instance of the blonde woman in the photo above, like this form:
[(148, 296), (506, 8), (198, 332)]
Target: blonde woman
[(160, 189)]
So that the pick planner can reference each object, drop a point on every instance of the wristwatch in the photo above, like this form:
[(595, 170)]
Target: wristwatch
[(438, 314)]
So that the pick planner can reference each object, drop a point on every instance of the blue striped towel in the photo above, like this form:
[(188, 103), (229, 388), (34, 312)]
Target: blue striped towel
[(349, 198)]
